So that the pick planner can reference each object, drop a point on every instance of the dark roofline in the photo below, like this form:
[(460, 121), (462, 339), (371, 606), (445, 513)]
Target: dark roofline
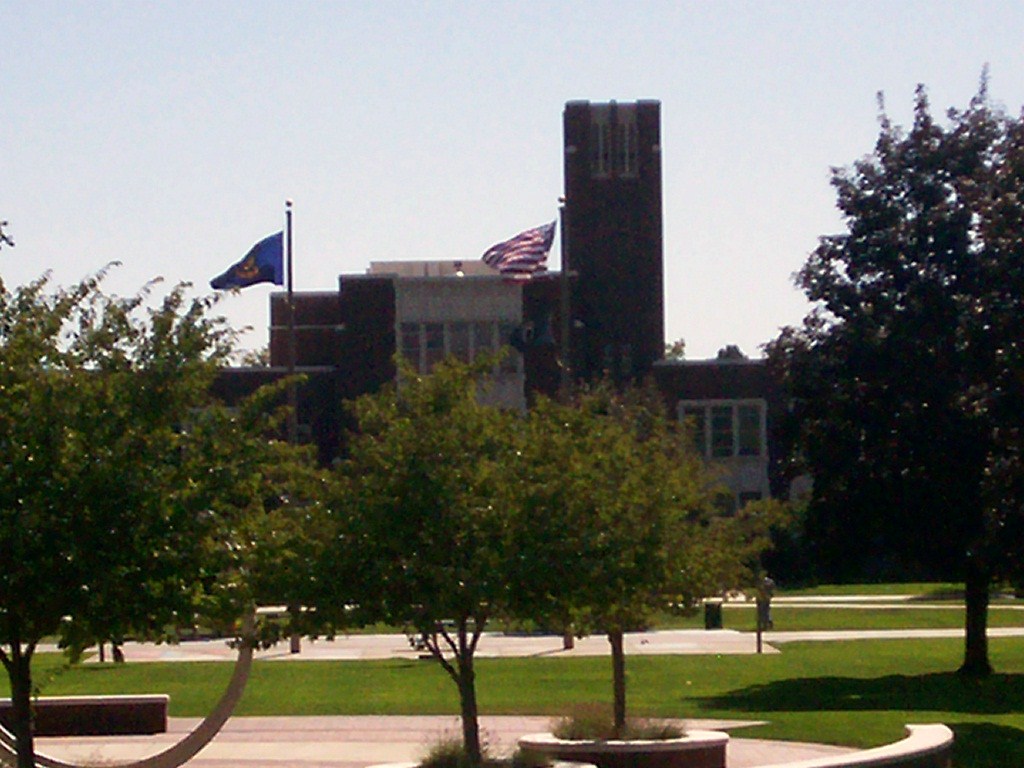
[(281, 370), (708, 362)]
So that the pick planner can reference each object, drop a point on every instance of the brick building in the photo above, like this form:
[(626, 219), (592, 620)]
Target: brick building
[(612, 236), (612, 253)]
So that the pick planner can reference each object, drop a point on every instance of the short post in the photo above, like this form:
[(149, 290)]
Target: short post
[(765, 589)]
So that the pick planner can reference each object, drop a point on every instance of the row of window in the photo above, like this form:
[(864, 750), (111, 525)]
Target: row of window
[(426, 344), (724, 429), (613, 148)]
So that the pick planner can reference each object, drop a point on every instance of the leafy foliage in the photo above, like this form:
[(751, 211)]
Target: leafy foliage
[(452, 513), (676, 350), (906, 378), (630, 510), (122, 486), (594, 722), (427, 519), (633, 504)]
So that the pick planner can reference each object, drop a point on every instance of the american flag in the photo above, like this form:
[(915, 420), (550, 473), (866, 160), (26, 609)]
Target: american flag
[(524, 254)]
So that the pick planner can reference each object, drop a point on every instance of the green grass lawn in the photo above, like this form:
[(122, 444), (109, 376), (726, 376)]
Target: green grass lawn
[(801, 618), (857, 693), (923, 589), (741, 616)]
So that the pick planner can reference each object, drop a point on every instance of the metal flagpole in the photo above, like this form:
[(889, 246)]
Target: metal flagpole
[(295, 640), (565, 382), (564, 310), (293, 424)]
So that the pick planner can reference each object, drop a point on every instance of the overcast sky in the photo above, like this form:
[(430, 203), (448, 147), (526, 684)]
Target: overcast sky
[(167, 135)]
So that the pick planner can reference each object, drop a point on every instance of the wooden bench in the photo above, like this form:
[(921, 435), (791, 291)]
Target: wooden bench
[(95, 715)]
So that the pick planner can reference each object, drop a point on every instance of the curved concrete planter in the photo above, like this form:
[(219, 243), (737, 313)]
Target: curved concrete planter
[(925, 746), (698, 749)]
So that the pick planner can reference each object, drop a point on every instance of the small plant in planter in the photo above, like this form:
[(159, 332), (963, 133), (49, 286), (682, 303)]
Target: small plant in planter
[(448, 753), (595, 723), (590, 735), (451, 753)]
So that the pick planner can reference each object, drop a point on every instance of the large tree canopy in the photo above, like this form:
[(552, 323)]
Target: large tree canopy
[(121, 483), (632, 511), (906, 378), (451, 513), (427, 521)]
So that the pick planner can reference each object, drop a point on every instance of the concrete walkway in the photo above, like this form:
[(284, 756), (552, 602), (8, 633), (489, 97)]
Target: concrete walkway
[(492, 645), (495, 645), (355, 742)]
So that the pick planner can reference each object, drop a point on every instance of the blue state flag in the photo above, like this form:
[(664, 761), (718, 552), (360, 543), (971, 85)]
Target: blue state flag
[(264, 263)]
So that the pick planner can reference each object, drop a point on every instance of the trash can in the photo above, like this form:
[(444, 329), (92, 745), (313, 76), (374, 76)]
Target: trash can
[(713, 614)]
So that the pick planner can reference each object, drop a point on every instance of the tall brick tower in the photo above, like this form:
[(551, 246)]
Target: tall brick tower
[(614, 230)]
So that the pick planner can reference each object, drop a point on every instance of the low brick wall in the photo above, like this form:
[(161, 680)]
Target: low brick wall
[(95, 715)]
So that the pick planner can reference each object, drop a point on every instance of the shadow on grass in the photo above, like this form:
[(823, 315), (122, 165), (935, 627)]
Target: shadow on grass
[(986, 745), (943, 692)]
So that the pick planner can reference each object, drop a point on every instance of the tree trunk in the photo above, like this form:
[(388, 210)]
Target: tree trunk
[(615, 639), (460, 670), (468, 708), (976, 584), (20, 676), (294, 639)]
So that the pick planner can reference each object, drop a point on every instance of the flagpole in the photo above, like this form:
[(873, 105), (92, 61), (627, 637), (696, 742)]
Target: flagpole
[(564, 310), (295, 640), (293, 424), (565, 382)]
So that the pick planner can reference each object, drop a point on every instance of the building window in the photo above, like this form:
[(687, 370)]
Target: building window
[(483, 338), (458, 341), (510, 360), (748, 432), (693, 417), (600, 147), (433, 334), (424, 345), (614, 141), (723, 429), (410, 343), (625, 151)]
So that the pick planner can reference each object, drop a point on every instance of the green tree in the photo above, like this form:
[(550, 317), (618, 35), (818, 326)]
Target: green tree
[(255, 358), (676, 350), (110, 504), (427, 520), (906, 377), (286, 537), (264, 499), (614, 485)]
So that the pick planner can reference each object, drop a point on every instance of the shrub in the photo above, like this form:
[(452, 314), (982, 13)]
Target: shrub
[(594, 722), (447, 753)]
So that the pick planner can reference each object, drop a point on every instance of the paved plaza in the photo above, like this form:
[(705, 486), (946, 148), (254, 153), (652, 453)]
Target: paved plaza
[(492, 645), (355, 742)]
